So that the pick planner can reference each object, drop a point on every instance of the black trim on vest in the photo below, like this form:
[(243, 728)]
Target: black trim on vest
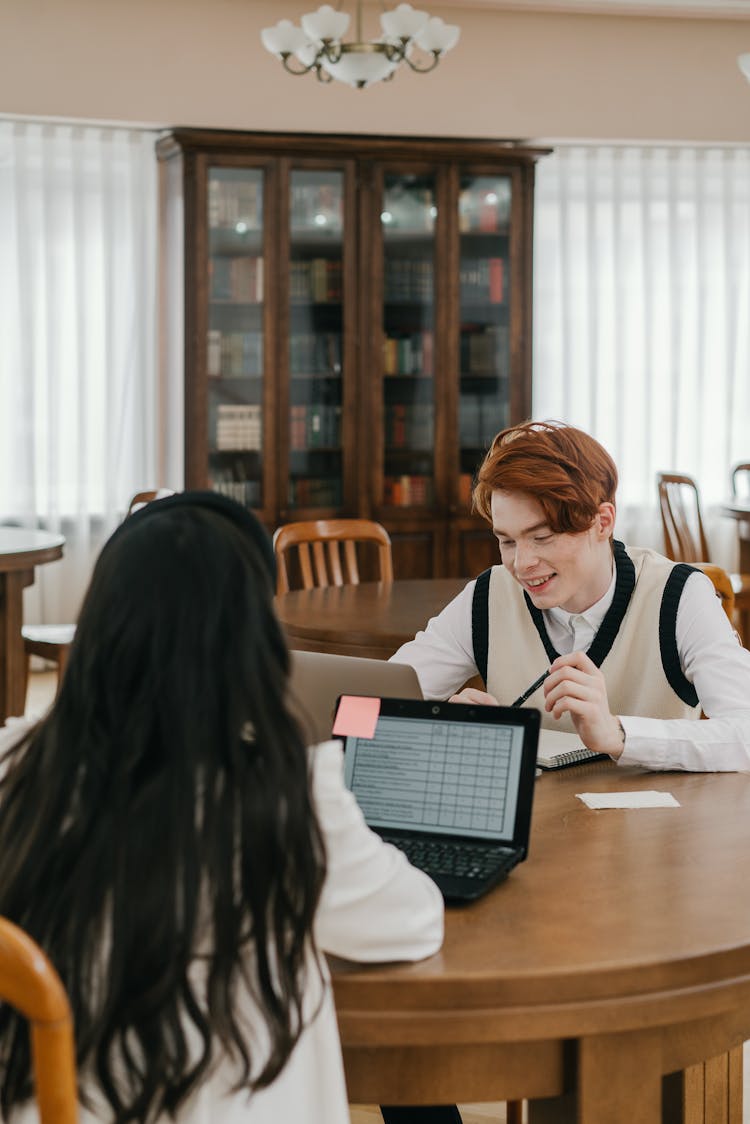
[(670, 659), (480, 621), (613, 618)]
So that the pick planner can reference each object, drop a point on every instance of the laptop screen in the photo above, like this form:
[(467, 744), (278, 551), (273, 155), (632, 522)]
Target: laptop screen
[(446, 769)]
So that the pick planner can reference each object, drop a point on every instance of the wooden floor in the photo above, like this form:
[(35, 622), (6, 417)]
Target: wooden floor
[(41, 693)]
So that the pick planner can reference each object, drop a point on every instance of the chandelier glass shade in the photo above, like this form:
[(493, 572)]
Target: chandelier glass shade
[(407, 36), (743, 62)]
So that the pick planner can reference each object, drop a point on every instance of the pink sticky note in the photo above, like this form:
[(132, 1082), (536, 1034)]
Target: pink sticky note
[(357, 716)]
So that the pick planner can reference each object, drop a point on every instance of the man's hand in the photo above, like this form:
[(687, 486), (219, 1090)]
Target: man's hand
[(576, 686), (472, 695)]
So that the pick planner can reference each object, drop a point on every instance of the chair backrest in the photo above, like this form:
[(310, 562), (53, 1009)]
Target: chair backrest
[(740, 478), (139, 499), (679, 501), (30, 984), (327, 551), (722, 585)]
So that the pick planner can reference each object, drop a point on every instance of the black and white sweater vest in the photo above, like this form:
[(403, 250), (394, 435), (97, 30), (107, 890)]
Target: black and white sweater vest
[(635, 646)]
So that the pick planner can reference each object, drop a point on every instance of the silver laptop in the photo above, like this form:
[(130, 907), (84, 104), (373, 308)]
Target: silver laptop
[(450, 784), (318, 678)]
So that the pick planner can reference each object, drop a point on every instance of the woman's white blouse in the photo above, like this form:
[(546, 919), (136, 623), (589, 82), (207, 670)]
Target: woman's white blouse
[(374, 906)]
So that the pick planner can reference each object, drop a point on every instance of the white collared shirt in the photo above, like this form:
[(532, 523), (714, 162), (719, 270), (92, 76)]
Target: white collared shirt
[(710, 657), (575, 632)]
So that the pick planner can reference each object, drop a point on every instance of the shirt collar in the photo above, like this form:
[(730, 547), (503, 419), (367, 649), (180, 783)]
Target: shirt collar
[(593, 615)]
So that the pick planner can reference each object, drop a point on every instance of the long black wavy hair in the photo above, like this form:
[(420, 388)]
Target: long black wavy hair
[(160, 816)]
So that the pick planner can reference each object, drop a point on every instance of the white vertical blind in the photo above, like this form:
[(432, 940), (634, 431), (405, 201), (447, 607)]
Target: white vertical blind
[(642, 316), (78, 376)]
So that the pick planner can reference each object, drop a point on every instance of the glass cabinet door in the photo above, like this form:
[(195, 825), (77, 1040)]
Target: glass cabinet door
[(316, 249), (235, 361), (408, 229), (484, 315)]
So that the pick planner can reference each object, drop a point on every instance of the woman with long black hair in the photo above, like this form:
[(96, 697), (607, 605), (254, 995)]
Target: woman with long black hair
[(180, 855)]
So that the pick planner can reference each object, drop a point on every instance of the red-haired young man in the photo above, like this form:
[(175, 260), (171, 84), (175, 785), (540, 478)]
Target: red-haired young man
[(636, 645)]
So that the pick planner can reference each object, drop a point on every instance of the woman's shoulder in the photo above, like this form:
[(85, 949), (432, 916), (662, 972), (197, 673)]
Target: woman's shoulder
[(326, 765)]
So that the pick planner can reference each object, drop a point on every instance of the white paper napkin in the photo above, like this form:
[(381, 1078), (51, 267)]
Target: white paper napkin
[(650, 798)]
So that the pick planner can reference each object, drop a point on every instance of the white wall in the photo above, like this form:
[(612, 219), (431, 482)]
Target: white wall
[(513, 74)]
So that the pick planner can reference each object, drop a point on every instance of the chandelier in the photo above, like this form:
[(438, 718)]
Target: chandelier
[(408, 36), (743, 62)]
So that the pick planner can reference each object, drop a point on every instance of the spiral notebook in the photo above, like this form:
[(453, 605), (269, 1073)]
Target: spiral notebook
[(558, 749)]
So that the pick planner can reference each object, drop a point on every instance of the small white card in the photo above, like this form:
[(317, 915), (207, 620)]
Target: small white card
[(650, 798)]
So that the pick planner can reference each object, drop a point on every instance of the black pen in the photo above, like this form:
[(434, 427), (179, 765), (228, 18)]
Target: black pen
[(530, 690)]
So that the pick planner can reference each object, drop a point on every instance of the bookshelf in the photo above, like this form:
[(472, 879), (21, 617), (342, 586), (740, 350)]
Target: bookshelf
[(357, 325)]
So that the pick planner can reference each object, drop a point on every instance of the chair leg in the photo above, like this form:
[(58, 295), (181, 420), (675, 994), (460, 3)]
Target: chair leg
[(62, 663), (27, 667), (514, 1112)]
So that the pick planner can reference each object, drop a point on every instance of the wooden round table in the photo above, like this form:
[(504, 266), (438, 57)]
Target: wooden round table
[(619, 952), (371, 619), (20, 552)]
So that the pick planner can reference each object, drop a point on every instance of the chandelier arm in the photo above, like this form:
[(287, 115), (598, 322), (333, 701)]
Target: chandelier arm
[(286, 55), (423, 69), (395, 52), (330, 51), (323, 75)]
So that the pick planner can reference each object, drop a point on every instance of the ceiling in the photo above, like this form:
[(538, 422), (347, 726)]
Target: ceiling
[(706, 9)]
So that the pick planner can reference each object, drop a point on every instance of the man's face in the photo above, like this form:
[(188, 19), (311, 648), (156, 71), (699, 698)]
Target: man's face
[(570, 571)]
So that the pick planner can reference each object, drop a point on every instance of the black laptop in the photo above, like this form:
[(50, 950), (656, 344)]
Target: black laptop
[(450, 784)]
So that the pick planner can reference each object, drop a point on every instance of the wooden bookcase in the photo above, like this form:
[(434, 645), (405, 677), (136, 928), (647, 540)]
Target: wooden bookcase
[(356, 325)]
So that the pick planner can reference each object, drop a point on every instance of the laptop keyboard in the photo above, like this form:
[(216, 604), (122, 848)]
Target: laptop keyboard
[(461, 860)]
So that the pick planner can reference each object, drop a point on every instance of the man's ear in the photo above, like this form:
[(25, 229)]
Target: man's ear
[(605, 520)]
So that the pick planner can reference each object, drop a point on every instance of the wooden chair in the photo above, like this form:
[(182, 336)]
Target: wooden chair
[(30, 984), (685, 539), (722, 585), (740, 480), (327, 551), (140, 499), (52, 641)]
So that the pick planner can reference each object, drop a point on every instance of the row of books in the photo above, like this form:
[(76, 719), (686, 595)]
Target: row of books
[(238, 427), (407, 490), (232, 483), (480, 417), (408, 279), (234, 354), (237, 278), (410, 354), (314, 426), (235, 201), (482, 279), (409, 426), (315, 353), (485, 351), (315, 279), (306, 491)]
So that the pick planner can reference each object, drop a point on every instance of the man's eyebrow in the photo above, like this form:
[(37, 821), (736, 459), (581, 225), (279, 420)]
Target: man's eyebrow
[(544, 525)]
